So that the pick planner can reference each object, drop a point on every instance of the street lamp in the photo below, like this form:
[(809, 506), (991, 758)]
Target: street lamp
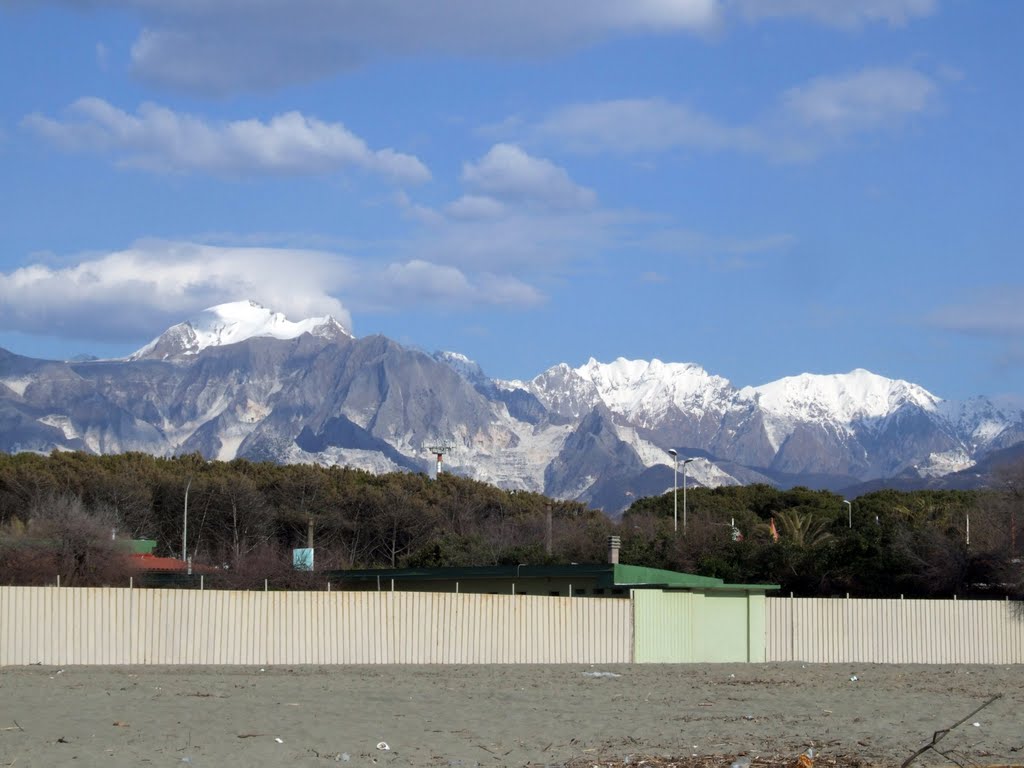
[(184, 525), (849, 513), (685, 462), (675, 496)]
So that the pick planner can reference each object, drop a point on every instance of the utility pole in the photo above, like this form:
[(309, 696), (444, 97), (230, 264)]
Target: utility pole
[(675, 488), (184, 527), (548, 546), (685, 462)]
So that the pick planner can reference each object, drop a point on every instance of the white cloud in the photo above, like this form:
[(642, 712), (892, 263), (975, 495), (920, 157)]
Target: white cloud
[(863, 101), (226, 45), (531, 242), (508, 173), (718, 252), (524, 215), (135, 293), (159, 139), (807, 120), (838, 13), (448, 286), (221, 46), (475, 207), (639, 125), (519, 214)]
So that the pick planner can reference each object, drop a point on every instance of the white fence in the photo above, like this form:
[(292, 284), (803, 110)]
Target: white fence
[(822, 630), (167, 626)]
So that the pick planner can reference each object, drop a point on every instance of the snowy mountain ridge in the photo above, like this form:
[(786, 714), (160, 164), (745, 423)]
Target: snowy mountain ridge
[(650, 388), (844, 397), (232, 323), (797, 417), (241, 381)]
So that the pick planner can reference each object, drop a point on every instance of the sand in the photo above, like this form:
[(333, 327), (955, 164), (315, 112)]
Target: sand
[(504, 715)]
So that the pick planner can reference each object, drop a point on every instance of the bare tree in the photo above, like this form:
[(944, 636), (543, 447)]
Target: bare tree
[(64, 538)]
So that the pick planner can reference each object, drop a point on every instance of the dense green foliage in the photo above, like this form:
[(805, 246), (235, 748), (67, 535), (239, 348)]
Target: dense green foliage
[(57, 512)]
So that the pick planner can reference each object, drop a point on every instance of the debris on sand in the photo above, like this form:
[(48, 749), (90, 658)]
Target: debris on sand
[(715, 761)]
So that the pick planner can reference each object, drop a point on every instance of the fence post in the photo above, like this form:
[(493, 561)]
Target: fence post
[(792, 629)]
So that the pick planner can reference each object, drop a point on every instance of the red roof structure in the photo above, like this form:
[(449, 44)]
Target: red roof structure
[(153, 564)]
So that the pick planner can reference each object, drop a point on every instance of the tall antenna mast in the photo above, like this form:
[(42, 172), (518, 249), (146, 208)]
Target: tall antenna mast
[(439, 450)]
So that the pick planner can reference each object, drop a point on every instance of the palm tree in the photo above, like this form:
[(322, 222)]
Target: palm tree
[(803, 529)]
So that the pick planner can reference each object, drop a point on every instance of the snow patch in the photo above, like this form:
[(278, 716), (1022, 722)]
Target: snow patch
[(371, 461), (229, 447), (945, 463), (61, 422), (18, 386), (709, 474), (650, 454)]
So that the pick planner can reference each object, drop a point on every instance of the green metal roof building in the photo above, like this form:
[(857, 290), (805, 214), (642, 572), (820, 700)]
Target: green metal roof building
[(677, 617), (586, 580)]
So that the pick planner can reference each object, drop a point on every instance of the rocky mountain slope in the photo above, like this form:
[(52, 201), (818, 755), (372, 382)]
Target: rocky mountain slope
[(242, 381)]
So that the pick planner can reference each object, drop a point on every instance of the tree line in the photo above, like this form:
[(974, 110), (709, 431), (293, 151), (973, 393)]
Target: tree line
[(67, 513)]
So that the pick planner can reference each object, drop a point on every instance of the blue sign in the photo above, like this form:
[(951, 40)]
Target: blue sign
[(302, 559)]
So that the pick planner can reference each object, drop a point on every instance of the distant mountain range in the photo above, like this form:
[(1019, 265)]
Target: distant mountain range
[(242, 381)]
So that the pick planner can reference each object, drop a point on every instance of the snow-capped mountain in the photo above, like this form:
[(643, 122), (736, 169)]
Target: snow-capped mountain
[(856, 398), (229, 324), (240, 380)]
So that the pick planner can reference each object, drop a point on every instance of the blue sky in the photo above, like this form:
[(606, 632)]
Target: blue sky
[(762, 187)]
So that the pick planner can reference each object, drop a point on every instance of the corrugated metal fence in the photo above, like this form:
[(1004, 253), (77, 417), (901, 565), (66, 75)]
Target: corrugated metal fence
[(167, 626), (821, 630)]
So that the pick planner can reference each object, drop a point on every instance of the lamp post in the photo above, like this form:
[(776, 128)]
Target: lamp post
[(849, 513), (184, 525), (675, 495), (685, 462)]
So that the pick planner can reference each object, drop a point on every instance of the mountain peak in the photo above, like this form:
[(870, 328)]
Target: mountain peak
[(626, 385), (468, 369), (232, 323), (847, 397)]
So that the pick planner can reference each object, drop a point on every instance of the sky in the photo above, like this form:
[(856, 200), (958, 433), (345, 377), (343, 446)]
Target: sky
[(761, 187)]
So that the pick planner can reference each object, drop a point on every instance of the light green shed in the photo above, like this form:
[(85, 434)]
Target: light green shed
[(706, 624)]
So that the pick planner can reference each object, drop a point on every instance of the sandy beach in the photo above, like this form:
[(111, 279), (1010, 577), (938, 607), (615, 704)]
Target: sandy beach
[(504, 715)]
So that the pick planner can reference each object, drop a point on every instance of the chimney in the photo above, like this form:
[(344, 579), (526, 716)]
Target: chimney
[(613, 549)]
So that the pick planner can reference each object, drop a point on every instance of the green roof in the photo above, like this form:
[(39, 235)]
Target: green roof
[(606, 575), (138, 546), (638, 575)]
